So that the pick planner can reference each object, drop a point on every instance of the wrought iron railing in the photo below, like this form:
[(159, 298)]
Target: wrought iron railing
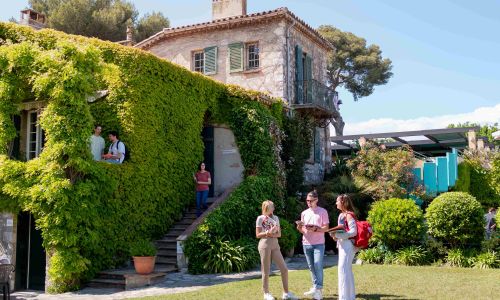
[(315, 93)]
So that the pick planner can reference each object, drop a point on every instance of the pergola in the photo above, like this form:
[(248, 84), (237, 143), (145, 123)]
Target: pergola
[(430, 142)]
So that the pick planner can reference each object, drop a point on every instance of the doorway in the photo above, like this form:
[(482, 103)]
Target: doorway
[(30, 255), (208, 155)]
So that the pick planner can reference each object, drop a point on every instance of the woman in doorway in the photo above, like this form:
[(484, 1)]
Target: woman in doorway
[(268, 231), (346, 247), (203, 180)]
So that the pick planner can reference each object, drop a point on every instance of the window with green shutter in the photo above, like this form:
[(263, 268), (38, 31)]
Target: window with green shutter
[(299, 76), (308, 79), (236, 56), (210, 60)]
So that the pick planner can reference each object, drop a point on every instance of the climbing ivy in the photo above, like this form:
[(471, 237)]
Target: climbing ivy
[(91, 213)]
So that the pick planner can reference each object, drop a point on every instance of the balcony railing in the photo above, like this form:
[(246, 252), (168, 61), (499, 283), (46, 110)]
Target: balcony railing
[(315, 96)]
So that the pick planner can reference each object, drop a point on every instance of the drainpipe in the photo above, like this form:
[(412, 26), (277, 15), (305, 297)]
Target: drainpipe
[(288, 90)]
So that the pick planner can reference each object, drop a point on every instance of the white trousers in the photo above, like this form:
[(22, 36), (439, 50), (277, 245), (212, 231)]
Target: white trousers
[(346, 277)]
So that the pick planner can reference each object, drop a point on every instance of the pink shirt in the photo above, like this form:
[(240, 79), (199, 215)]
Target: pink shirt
[(318, 217)]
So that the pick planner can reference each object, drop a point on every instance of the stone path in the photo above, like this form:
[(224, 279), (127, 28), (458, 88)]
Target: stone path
[(173, 283)]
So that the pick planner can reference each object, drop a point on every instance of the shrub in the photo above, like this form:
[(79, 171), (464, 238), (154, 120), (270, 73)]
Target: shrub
[(142, 247), (457, 258), (385, 174), (456, 219), (411, 256), (289, 236), (492, 244), (224, 257), (396, 223), (486, 260), (463, 180), (372, 255)]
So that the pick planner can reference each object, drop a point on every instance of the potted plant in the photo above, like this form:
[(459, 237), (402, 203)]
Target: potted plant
[(144, 255)]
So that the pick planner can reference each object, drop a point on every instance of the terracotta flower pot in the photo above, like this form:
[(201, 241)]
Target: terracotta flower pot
[(144, 264)]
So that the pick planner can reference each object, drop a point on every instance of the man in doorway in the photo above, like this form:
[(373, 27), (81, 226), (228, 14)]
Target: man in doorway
[(116, 151), (97, 143)]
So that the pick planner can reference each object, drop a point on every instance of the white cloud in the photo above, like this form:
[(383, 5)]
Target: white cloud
[(482, 115)]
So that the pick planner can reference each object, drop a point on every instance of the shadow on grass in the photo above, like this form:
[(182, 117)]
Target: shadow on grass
[(371, 297)]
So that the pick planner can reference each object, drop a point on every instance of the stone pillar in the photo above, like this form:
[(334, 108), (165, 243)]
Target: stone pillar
[(480, 144), (362, 142), (471, 136)]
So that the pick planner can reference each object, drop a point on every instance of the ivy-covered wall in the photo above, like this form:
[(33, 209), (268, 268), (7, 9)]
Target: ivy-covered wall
[(89, 213)]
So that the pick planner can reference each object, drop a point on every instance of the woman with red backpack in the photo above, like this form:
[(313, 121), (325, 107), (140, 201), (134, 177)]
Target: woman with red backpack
[(346, 247)]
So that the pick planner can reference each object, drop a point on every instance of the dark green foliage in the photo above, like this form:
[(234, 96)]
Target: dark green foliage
[(374, 255), (289, 236), (396, 223), (230, 256), (463, 181), (456, 219), (91, 213), (107, 20), (142, 247), (296, 150)]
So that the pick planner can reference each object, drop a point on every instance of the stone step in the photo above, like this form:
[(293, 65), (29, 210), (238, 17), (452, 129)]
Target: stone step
[(108, 283), (166, 260), (167, 253), (167, 246), (165, 268), (171, 236), (182, 227), (177, 231)]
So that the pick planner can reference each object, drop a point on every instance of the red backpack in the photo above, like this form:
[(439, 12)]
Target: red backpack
[(364, 232)]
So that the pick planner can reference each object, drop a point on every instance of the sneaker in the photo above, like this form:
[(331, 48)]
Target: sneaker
[(310, 292), (289, 296), (317, 295), (268, 296)]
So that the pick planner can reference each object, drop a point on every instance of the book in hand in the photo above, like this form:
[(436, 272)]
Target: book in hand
[(338, 228)]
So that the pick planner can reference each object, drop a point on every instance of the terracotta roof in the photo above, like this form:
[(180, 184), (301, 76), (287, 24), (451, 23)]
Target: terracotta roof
[(236, 21)]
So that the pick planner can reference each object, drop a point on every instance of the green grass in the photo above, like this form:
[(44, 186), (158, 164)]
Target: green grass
[(372, 282)]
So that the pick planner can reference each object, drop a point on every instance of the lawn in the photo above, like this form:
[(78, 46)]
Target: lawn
[(372, 282)]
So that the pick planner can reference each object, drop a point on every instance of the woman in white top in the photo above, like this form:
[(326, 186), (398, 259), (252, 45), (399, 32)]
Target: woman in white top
[(346, 247), (268, 230)]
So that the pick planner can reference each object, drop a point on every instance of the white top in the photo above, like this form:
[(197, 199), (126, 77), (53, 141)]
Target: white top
[(267, 222), (115, 149), (97, 147)]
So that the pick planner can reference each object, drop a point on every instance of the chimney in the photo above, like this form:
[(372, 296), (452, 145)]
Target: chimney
[(228, 8)]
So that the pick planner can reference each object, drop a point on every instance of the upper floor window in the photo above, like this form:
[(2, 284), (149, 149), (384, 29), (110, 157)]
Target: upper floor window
[(253, 55), (198, 61), (205, 61), (35, 138)]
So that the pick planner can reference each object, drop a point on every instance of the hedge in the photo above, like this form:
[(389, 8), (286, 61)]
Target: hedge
[(90, 213)]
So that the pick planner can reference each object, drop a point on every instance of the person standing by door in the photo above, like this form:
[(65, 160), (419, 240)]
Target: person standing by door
[(97, 143), (313, 224), (203, 181)]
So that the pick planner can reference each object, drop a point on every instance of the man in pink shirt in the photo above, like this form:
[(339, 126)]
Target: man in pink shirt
[(313, 224)]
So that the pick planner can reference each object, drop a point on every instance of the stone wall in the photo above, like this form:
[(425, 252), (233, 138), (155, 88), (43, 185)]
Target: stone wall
[(271, 37), (8, 241)]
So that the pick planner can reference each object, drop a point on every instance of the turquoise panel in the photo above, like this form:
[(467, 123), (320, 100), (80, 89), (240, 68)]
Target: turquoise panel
[(418, 174), (442, 174), (452, 168), (430, 180)]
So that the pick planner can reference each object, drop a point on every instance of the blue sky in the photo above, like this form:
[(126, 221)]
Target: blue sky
[(446, 54)]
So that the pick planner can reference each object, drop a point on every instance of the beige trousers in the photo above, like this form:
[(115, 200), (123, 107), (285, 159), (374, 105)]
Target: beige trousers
[(269, 249)]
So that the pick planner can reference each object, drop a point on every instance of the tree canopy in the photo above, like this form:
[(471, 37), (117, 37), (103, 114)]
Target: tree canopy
[(485, 130), (354, 65), (104, 19)]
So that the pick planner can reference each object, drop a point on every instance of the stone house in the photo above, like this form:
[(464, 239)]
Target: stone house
[(273, 52)]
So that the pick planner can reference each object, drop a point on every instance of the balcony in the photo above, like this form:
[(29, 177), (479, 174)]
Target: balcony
[(316, 99)]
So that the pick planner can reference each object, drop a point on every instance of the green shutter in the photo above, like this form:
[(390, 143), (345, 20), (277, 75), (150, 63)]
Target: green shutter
[(236, 57), (317, 146), (210, 66), (308, 80), (299, 76)]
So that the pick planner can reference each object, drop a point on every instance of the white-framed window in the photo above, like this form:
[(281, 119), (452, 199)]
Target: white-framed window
[(252, 55), (35, 138), (198, 61)]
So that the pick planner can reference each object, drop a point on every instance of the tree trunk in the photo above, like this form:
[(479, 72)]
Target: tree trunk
[(338, 124)]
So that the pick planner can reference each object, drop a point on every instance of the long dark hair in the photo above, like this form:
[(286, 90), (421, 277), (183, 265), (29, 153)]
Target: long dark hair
[(202, 163), (346, 202)]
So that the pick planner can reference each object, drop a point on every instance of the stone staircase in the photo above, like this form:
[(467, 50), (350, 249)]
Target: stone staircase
[(166, 260)]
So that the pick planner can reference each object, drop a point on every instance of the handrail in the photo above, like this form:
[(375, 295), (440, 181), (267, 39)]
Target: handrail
[(316, 93)]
